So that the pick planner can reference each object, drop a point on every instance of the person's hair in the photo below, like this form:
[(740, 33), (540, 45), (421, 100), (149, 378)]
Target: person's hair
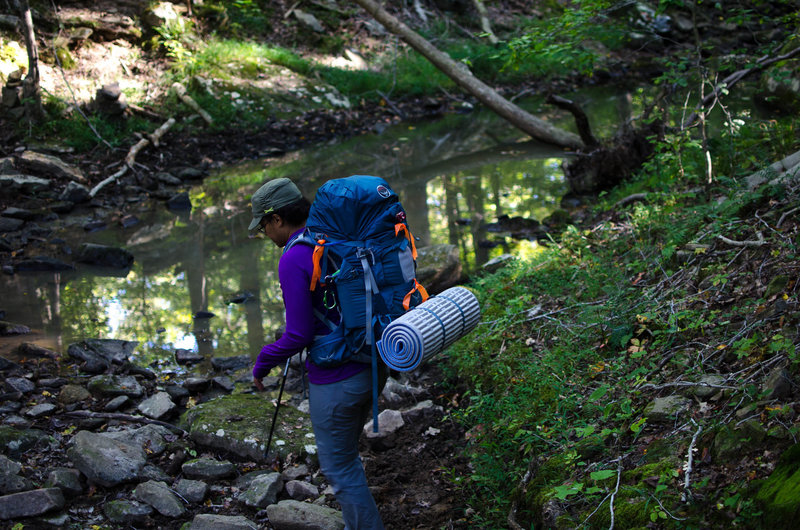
[(295, 214)]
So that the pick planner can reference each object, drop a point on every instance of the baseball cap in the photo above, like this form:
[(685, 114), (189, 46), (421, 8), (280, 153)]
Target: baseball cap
[(274, 194)]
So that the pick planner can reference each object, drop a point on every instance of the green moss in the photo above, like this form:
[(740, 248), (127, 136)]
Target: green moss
[(779, 494), (637, 475), (630, 511)]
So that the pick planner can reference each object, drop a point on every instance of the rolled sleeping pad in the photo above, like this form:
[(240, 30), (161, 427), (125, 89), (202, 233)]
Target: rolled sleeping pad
[(429, 329)]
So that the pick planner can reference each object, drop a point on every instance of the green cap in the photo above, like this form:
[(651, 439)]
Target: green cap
[(271, 196)]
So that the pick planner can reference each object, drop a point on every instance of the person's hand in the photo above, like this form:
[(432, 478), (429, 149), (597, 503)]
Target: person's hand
[(258, 384)]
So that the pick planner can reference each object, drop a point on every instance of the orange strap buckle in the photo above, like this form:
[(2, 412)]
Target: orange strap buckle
[(402, 227), (417, 287), (316, 259)]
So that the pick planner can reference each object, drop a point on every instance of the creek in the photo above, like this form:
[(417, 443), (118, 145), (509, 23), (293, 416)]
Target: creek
[(200, 283)]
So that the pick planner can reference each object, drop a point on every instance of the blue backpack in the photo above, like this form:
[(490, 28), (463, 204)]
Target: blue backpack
[(365, 258)]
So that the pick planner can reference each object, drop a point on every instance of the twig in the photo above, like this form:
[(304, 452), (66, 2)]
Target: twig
[(399, 113), (785, 215), (665, 510), (685, 383), (760, 242), (686, 495), (123, 417), (129, 159), (614, 493)]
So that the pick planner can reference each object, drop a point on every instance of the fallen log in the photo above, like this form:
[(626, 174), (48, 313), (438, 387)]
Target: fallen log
[(180, 91), (155, 138)]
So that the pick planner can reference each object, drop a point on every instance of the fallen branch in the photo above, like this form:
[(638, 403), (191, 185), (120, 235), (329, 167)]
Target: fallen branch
[(760, 242), (614, 494), (180, 91), (734, 78), (785, 215), (581, 120), (636, 197), (685, 384), (155, 138), (790, 164), (685, 496), (123, 417)]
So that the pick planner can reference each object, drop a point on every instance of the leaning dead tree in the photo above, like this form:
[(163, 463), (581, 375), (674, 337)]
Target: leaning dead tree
[(458, 72), (31, 94)]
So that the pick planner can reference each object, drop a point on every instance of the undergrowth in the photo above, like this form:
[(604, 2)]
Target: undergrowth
[(645, 301)]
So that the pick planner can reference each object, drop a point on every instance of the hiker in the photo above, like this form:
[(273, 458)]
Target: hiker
[(340, 397)]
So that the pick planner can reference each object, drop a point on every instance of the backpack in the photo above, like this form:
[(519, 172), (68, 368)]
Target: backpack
[(365, 258)]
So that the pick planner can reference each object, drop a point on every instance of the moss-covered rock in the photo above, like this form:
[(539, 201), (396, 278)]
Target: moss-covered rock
[(240, 424), (779, 493)]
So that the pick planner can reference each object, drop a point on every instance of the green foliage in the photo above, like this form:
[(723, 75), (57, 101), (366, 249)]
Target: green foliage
[(248, 18)]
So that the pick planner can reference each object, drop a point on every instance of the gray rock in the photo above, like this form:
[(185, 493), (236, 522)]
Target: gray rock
[(208, 469), (389, 422), (9, 224), (160, 497), (180, 202), (295, 472), (75, 193), (301, 490), (12, 184), (193, 491), (7, 166), (110, 100), (19, 384), (160, 13), (207, 521), (50, 165), (308, 20), (151, 438), (42, 409), (115, 385), (42, 264), (19, 213), (105, 256), (196, 384), (106, 461), (151, 472), (236, 362), (664, 410), (117, 403), (296, 515), (707, 386), (495, 264), (438, 267), (66, 479), (423, 409), (187, 356), (224, 382), (102, 350), (127, 512), (30, 503), (9, 466), (73, 394), (189, 173), (9, 328), (262, 491), (778, 384), (176, 392), (157, 406), (14, 442), (168, 179), (12, 483)]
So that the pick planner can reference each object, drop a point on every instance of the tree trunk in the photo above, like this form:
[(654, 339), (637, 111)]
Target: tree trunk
[(526, 122), (31, 95)]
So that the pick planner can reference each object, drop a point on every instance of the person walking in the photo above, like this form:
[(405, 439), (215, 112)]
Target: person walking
[(340, 398)]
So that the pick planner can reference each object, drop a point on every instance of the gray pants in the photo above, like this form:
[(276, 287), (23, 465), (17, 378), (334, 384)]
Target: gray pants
[(338, 413)]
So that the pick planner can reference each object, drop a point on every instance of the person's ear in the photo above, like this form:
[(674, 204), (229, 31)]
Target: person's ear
[(278, 220)]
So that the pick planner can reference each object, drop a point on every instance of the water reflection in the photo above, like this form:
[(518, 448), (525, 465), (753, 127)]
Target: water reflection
[(454, 177)]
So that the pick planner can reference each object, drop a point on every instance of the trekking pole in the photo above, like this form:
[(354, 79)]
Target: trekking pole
[(277, 406)]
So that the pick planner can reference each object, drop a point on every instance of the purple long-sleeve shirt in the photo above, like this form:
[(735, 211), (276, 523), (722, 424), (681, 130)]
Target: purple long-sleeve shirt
[(294, 272)]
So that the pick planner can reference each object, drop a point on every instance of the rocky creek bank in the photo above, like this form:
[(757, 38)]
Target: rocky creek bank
[(88, 438)]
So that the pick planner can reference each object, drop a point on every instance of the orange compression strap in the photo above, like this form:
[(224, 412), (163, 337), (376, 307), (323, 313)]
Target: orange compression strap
[(316, 259), (417, 287), (402, 227)]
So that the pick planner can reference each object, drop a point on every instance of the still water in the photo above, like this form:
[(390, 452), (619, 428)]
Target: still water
[(454, 176)]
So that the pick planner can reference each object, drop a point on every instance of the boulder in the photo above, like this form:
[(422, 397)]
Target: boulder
[(11, 185), (183, 356), (389, 422), (13, 483), (207, 521), (301, 490), (66, 479), (9, 224), (160, 13), (40, 410), (106, 461), (42, 264), (262, 491), (14, 442), (151, 438), (160, 497), (296, 515), (208, 469), (110, 101), (50, 165), (127, 512), (102, 351), (194, 491), (115, 385), (236, 362), (438, 267), (664, 410), (105, 256), (239, 423), (73, 394), (30, 503), (157, 406), (19, 384), (75, 193)]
